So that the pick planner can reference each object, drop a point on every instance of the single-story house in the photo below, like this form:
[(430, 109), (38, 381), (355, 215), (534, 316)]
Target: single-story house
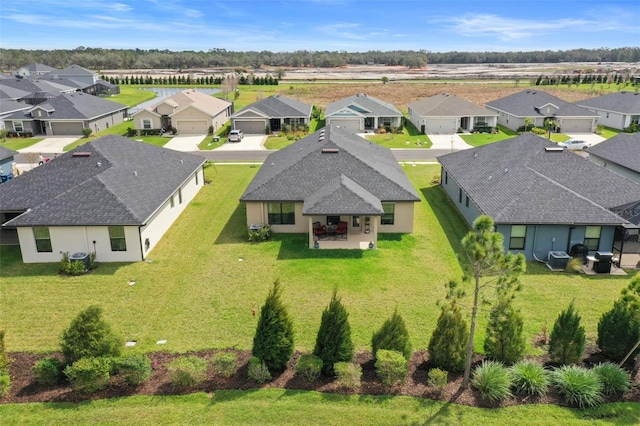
[(74, 76), (8, 107), (334, 185), (189, 111), (271, 114), (540, 106), (360, 112), (617, 110), (445, 114), (111, 196), (541, 197), (6, 163), (67, 114), (33, 70), (620, 154)]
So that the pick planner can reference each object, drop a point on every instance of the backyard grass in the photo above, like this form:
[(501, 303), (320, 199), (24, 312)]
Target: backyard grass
[(19, 143), (287, 407), (132, 95)]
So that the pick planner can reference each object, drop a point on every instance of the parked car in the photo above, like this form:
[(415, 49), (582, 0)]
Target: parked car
[(235, 136), (574, 144)]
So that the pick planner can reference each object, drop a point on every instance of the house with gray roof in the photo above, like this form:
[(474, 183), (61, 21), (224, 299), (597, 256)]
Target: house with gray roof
[(67, 114), (360, 113), (445, 114), (335, 186), (270, 115), (618, 110), (8, 107), (6, 163), (540, 106), (541, 197), (620, 154), (111, 196)]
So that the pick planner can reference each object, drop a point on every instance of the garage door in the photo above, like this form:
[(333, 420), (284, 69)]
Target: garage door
[(575, 126), (251, 127), (187, 127), (439, 126), (71, 128), (347, 124)]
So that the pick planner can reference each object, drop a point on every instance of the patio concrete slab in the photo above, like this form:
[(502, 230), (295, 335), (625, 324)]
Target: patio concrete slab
[(50, 145), (186, 143), (248, 143)]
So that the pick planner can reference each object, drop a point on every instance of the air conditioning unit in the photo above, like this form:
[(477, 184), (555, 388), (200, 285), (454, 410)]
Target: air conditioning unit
[(558, 260)]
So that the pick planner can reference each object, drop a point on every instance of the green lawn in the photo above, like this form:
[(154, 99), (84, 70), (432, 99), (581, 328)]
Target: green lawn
[(132, 95), (19, 143), (608, 132), (409, 138), (485, 138), (286, 407)]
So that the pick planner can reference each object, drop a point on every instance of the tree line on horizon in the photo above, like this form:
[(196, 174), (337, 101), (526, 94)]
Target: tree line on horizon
[(101, 58)]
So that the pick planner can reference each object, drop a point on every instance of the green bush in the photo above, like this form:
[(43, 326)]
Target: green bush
[(257, 370), (5, 383), (538, 131), (260, 235), (614, 379), (567, 339), (528, 378), (578, 386), (348, 375), (391, 367), (618, 331), (89, 374), (333, 342), (493, 381), (47, 371), (393, 336), (86, 132), (273, 341), (437, 380), (135, 369), (449, 340), (89, 336), (505, 340), (4, 358), (224, 363), (187, 370), (309, 367)]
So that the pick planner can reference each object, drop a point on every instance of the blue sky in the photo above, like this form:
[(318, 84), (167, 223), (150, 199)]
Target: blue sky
[(333, 25)]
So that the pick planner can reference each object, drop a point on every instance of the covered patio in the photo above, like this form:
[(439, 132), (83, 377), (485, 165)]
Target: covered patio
[(343, 232), (626, 243)]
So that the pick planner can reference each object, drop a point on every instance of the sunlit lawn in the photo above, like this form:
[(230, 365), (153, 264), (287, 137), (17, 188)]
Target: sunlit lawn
[(132, 95), (409, 138), (608, 132), (19, 143)]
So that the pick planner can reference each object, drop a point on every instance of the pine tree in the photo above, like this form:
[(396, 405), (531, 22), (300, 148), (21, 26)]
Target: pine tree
[(273, 341), (618, 331), (333, 343), (448, 343), (567, 339), (393, 336), (504, 341), (89, 336)]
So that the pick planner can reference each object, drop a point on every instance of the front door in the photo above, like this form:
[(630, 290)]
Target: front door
[(356, 223)]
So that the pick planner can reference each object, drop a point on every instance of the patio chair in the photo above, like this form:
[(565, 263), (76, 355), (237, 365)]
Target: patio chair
[(319, 230), (341, 229)]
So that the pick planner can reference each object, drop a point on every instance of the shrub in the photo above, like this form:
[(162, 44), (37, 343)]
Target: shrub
[(567, 339), (614, 379), (309, 367), (448, 343), (529, 378), (86, 132), (618, 331), (393, 336), (259, 235), (5, 383), (574, 265), (258, 371), (538, 131), (578, 386), (391, 367), (437, 380), (493, 381), (348, 375), (135, 369), (131, 132), (505, 341), (273, 341), (187, 370), (333, 342), (47, 371), (4, 358), (224, 363), (89, 374)]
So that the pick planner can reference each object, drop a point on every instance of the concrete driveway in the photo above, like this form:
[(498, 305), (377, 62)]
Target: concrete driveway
[(50, 145), (187, 143), (588, 137), (451, 142), (248, 143)]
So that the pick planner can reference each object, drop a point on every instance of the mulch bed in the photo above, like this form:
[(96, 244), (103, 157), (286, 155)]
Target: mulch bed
[(24, 388)]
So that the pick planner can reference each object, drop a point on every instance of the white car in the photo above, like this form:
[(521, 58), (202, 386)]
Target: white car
[(574, 144), (235, 136)]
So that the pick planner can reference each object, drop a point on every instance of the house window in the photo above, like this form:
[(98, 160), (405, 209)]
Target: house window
[(592, 237), (518, 237), (196, 178), (17, 126), (172, 202), (281, 213), (460, 195), (43, 240), (180, 196), (388, 216), (146, 124), (355, 221), (466, 201), (333, 220), (117, 238), (446, 178)]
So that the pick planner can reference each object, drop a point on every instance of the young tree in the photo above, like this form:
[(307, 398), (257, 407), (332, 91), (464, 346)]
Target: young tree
[(333, 343), (528, 122), (393, 335), (504, 341), (618, 331), (448, 342), (567, 339), (89, 336), (487, 267), (273, 341)]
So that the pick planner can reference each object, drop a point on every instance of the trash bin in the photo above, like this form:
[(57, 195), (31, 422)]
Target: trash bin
[(81, 257)]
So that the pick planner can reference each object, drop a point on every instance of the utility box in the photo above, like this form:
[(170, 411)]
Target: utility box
[(558, 260), (81, 257)]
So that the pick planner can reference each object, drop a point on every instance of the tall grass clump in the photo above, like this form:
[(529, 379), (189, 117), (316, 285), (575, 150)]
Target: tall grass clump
[(492, 380), (614, 379), (528, 378), (187, 370), (348, 375), (578, 386)]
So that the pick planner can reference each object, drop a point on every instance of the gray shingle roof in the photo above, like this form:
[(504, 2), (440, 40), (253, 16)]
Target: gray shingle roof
[(74, 106), (6, 153), (518, 181), (445, 105), (278, 106), (36, 85), (622, 102), (120, 182), (358, 173), (623, 149), (527, 102), (365, 105)]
